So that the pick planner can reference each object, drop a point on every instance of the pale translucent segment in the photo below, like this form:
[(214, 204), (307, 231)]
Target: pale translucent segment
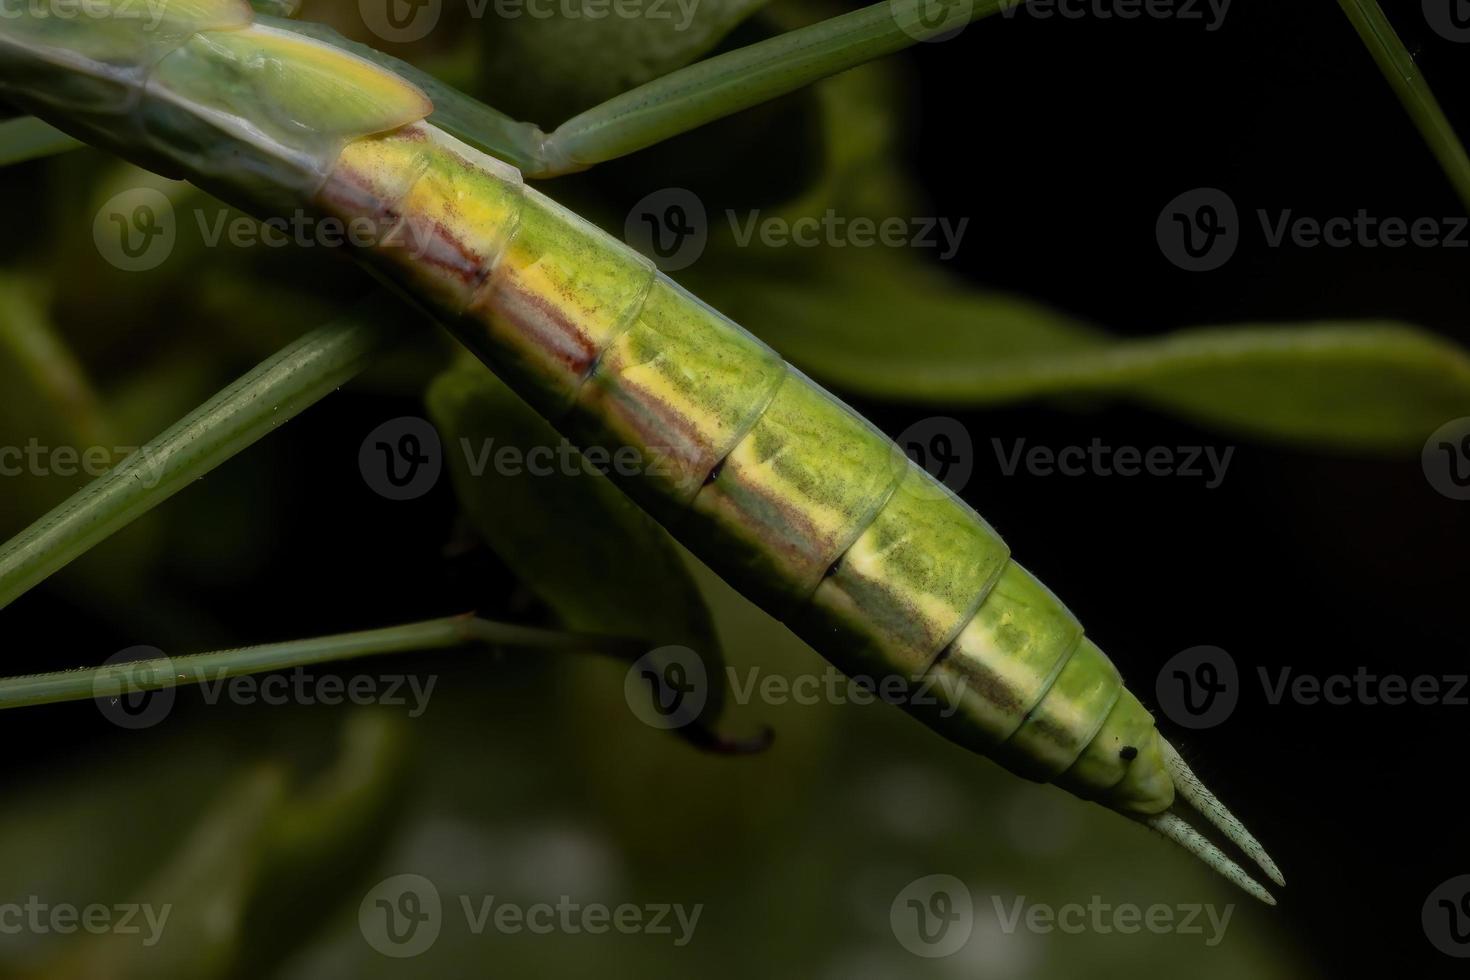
[(281, 94), (92, 60), (116, 38)]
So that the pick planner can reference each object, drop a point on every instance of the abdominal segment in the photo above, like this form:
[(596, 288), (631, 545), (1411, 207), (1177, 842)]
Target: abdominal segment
[(786, 492)]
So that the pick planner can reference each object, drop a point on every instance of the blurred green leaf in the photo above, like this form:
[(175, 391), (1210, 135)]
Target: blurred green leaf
[(891, 328), (548, 68), (28, 138), (881, 323), (597, 560), (261, 860), (30, 343), (191, 913)]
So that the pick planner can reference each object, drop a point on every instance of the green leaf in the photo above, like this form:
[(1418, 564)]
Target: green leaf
[(202, 892), (549, 68), (883, 324), (261, 857), (1367, 385), (28, 138), (596, 559), (30, 342)]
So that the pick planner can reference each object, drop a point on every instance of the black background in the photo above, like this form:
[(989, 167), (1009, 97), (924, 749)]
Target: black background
[(1063, 140), (1069, 137)]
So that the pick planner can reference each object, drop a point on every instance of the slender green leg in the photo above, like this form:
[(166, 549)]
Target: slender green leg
[(279, 389), (165, 672), (721, 86), (113, 680), (682, 100), (728, 83), (685, 99), (305, 372), (1413, 91)]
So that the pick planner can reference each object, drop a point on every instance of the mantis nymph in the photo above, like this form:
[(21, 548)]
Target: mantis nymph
[(786, 492)]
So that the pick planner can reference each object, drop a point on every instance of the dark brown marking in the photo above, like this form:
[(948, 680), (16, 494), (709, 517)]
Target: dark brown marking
[(714, 474)]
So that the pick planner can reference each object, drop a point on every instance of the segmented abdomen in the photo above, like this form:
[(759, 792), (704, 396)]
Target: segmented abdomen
[(785, 491), (790, 495)]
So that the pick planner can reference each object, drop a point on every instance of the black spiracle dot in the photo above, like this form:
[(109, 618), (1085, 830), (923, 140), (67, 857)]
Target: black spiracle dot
[(1128, 753), (714, 474), (833, 568)]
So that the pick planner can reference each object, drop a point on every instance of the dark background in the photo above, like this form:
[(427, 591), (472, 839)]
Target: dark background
[(1079, 135), (1063, 140)]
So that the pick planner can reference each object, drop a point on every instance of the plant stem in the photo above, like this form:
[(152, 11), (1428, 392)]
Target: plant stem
[(274, 392), (1398, 66), (113, 680)]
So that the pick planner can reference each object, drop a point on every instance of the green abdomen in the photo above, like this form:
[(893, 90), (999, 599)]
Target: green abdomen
[(790, 495)]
